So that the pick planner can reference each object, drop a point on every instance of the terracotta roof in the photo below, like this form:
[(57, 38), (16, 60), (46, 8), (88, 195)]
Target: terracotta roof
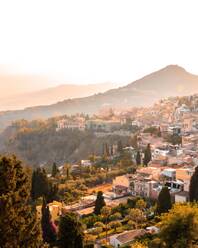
[(130, 235)]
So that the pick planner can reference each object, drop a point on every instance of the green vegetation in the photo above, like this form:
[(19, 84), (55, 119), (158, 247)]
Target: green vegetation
[(18, 224), (174, 139), (100, 203), (70, 233), (49, 234), (147, 155), (193, 191), (179, 227), (38, 143), (164, 201)]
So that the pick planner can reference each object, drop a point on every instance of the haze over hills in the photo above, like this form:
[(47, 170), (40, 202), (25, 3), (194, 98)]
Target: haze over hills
[(46, 96), (169, 81)]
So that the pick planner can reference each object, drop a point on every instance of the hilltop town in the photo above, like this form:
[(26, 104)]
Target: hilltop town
[(161, 152)]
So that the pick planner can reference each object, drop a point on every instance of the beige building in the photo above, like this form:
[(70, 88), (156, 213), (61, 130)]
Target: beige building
[(184, 175)]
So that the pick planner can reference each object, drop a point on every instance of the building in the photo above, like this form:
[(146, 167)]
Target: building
[(85, 163), (103, 125), (169, 173), (126, 238), (68, 124), (182, 197), (122, 185), (184, 174)]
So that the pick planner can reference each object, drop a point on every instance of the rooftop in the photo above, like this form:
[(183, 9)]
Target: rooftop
[(130, 235)]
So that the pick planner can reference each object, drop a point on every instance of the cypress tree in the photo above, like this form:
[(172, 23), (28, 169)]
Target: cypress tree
[(49, 234), (119, 146), (147, 155), (40, 184), (100, 203), (54, 170), (138, 158), (18, 224), (164, 201), (193, 189), (70, 233)]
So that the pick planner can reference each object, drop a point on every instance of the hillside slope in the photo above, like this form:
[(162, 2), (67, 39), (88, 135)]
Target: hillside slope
[(51, 95), (169, 81)]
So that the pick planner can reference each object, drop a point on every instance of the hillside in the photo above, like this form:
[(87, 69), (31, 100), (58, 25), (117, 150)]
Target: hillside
[(49, 95), (38, 143), (169, 81)]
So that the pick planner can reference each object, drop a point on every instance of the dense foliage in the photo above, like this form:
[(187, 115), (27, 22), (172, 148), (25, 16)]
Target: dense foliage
[(18, 224), (193, 190), (70, 232), (39, 143)]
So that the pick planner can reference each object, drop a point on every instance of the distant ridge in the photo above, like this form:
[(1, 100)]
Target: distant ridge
[(51, 95), (169, 81)]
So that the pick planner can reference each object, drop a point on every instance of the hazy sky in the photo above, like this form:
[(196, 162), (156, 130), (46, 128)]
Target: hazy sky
[(89, 41)]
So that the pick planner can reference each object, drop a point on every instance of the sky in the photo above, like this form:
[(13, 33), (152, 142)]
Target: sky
[(96, 41)]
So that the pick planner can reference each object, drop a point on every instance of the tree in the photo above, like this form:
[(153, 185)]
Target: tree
[(54, 170), (138, 244), (141, 204), (193, 190), (40, 184), (179, 227), (115, 224), (147, 155), (116, 216), (49, 232), (136, 215), (164, 201), (119, 147), (70, 233), (106, 212), (18, 222), (99, 224), (138, 158), (99, 203)]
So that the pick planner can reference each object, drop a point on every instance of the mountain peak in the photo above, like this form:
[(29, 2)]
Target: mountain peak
[(175, 68)]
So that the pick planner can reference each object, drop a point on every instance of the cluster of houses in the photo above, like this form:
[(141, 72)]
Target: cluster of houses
[(171, 165)]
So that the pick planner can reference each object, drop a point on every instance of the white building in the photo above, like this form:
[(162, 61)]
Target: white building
[(125, 238), (66, 124)]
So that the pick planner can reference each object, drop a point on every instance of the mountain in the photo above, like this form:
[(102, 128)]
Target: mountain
[(49, 95), (169, 81), (13, 84)]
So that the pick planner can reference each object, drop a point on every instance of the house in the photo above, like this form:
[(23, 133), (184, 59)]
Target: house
[(152, 229), (184, 174), (174, 130), (126, 237), (162, 151), (146, 188), (169, 173), (181, 197), (121, 185), (85, 163), (55, 209), (71, 124)]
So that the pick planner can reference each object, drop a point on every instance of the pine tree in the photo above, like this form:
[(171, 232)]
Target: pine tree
[(18, 224), (100, 203), (54, 170), (147, 155), (49, 234), (193, 190), (138, 158), (70, 233), (164, 201)]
